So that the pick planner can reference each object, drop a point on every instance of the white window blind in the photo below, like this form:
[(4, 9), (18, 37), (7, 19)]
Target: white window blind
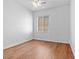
[(42, 24)]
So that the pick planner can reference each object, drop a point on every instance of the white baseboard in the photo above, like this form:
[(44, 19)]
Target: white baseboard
[(16, 44), (36, 39), (51, 40)]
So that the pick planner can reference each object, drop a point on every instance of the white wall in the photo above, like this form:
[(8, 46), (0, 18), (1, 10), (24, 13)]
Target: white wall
[(72, 41), (17, 23), (59, 24)]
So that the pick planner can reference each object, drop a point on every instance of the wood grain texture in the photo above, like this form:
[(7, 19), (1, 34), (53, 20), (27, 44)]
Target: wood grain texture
[(38, 49)]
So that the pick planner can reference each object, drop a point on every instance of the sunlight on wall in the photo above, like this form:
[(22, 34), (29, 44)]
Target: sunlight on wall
[(27, 25)]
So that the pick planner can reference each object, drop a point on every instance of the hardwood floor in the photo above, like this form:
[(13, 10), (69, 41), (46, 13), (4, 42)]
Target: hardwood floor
[(38, 49)]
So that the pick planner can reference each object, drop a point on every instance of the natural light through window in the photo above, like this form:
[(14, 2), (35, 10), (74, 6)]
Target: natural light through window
[(42, 24)]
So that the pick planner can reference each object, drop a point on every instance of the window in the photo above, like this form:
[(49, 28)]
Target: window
[(42, 24)]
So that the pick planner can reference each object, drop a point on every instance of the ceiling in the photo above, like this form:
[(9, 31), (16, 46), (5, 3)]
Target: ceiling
[(49, 4)]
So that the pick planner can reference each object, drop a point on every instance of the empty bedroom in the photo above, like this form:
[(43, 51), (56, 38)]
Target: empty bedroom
[(38, 29)]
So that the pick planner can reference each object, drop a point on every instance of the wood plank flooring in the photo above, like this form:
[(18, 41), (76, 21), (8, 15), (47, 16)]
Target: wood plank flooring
[(38, 49)]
